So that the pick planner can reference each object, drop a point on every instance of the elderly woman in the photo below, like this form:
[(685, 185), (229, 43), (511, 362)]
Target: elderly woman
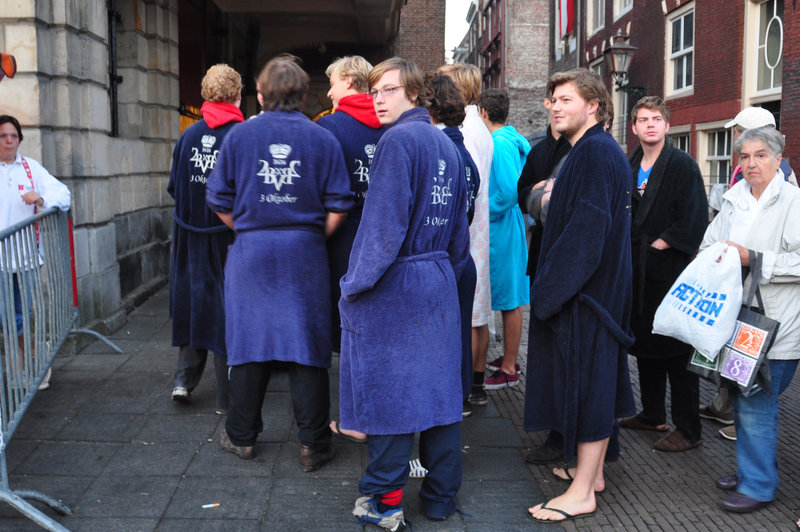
[(281, 183), (760, 214)]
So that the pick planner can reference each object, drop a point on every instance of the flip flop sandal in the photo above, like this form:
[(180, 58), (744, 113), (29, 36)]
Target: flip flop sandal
[(569, 478), (567, 517), (337, 430)]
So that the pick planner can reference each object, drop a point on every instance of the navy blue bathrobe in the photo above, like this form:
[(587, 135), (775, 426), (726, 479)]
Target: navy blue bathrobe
[(358, 142), (199, 243), (401, 347), (279, 175), (578, 380)]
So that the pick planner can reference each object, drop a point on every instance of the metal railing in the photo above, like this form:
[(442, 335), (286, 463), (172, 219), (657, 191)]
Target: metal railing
[(38, 310)]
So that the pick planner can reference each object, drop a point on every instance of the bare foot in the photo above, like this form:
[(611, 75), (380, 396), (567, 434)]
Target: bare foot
[(575, 508), (568, 474), (347, 433)]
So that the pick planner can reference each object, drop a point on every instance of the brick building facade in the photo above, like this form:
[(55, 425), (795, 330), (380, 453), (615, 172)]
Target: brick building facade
[(507, 40), (708, 58)]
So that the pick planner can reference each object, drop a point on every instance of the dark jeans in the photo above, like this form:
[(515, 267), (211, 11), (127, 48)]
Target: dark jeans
[(439, 452), (192, 362), (310, 402), (684, 389)]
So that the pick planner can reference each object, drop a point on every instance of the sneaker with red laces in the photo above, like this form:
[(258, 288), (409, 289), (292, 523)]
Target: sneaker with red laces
[(501, 379), (497, 363)]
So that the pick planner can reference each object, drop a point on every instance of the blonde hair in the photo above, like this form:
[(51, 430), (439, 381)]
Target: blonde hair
[(467, 79), (221, 84), (354, 66)]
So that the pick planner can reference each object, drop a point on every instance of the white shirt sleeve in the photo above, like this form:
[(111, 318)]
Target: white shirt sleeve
[(53, 192)]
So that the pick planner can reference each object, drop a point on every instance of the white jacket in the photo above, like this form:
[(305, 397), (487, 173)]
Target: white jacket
[(14, 182), (776, 232)]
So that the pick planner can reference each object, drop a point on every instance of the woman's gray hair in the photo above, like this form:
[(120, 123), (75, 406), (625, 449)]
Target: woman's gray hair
[(768, 135)]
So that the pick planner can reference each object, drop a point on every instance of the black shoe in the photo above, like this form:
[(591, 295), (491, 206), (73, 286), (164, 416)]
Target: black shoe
[(466, 410), (311, 459), (544, 454), (728, 483), (740, 504), (478, 396), (245, 452)]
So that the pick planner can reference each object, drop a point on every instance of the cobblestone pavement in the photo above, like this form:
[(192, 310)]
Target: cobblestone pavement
[(107, 440), (651, 490)]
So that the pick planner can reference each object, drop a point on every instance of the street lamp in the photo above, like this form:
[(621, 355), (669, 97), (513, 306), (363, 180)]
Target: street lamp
[(618, 58)]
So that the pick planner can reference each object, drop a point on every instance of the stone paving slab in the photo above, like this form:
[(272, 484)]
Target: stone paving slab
[(108, 441)]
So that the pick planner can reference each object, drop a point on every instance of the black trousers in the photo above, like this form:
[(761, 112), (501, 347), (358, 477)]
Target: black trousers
[(684, 389), (310, 401)]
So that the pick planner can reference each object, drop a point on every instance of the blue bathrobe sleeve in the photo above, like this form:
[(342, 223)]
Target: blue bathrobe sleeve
[(581, 202), (385, 220)]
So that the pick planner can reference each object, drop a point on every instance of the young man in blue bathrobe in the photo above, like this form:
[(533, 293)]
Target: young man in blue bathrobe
[(357, 128), (200, 240), (578, 379), (281, 184), (401, 339)]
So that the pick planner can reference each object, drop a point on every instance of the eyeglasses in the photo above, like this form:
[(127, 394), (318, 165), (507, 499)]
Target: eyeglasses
[(386, 91)]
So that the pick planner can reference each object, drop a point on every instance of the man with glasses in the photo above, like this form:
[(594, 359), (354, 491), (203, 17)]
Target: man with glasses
[(401, 339)]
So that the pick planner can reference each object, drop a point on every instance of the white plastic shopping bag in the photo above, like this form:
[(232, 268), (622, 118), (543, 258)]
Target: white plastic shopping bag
[(701, 306)]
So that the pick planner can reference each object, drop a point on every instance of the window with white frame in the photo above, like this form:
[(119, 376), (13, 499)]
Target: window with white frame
[(597, 67), (595, 16), (681, 141), (718, 156), (680, 43), (770, 45), (621, 7)]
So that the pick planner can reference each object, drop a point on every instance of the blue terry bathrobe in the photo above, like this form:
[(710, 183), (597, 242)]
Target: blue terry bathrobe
[(508, 251), (355, 125), (578, 380), (199, 244), (469, 276), (401, 347), (279, 174)]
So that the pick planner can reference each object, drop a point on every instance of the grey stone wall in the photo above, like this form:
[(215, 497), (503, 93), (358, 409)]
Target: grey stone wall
[(527, 69), (120, 207)]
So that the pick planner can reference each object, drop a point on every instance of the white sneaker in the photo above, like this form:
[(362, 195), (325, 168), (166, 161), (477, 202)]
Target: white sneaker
[(180, 394), (417, 471), (46, 381)]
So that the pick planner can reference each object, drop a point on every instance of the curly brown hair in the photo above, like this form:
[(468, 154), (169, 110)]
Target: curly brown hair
[(221, 84), (446, 106)]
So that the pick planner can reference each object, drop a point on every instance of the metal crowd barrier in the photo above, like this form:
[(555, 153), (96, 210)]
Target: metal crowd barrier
[(35, 255)]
